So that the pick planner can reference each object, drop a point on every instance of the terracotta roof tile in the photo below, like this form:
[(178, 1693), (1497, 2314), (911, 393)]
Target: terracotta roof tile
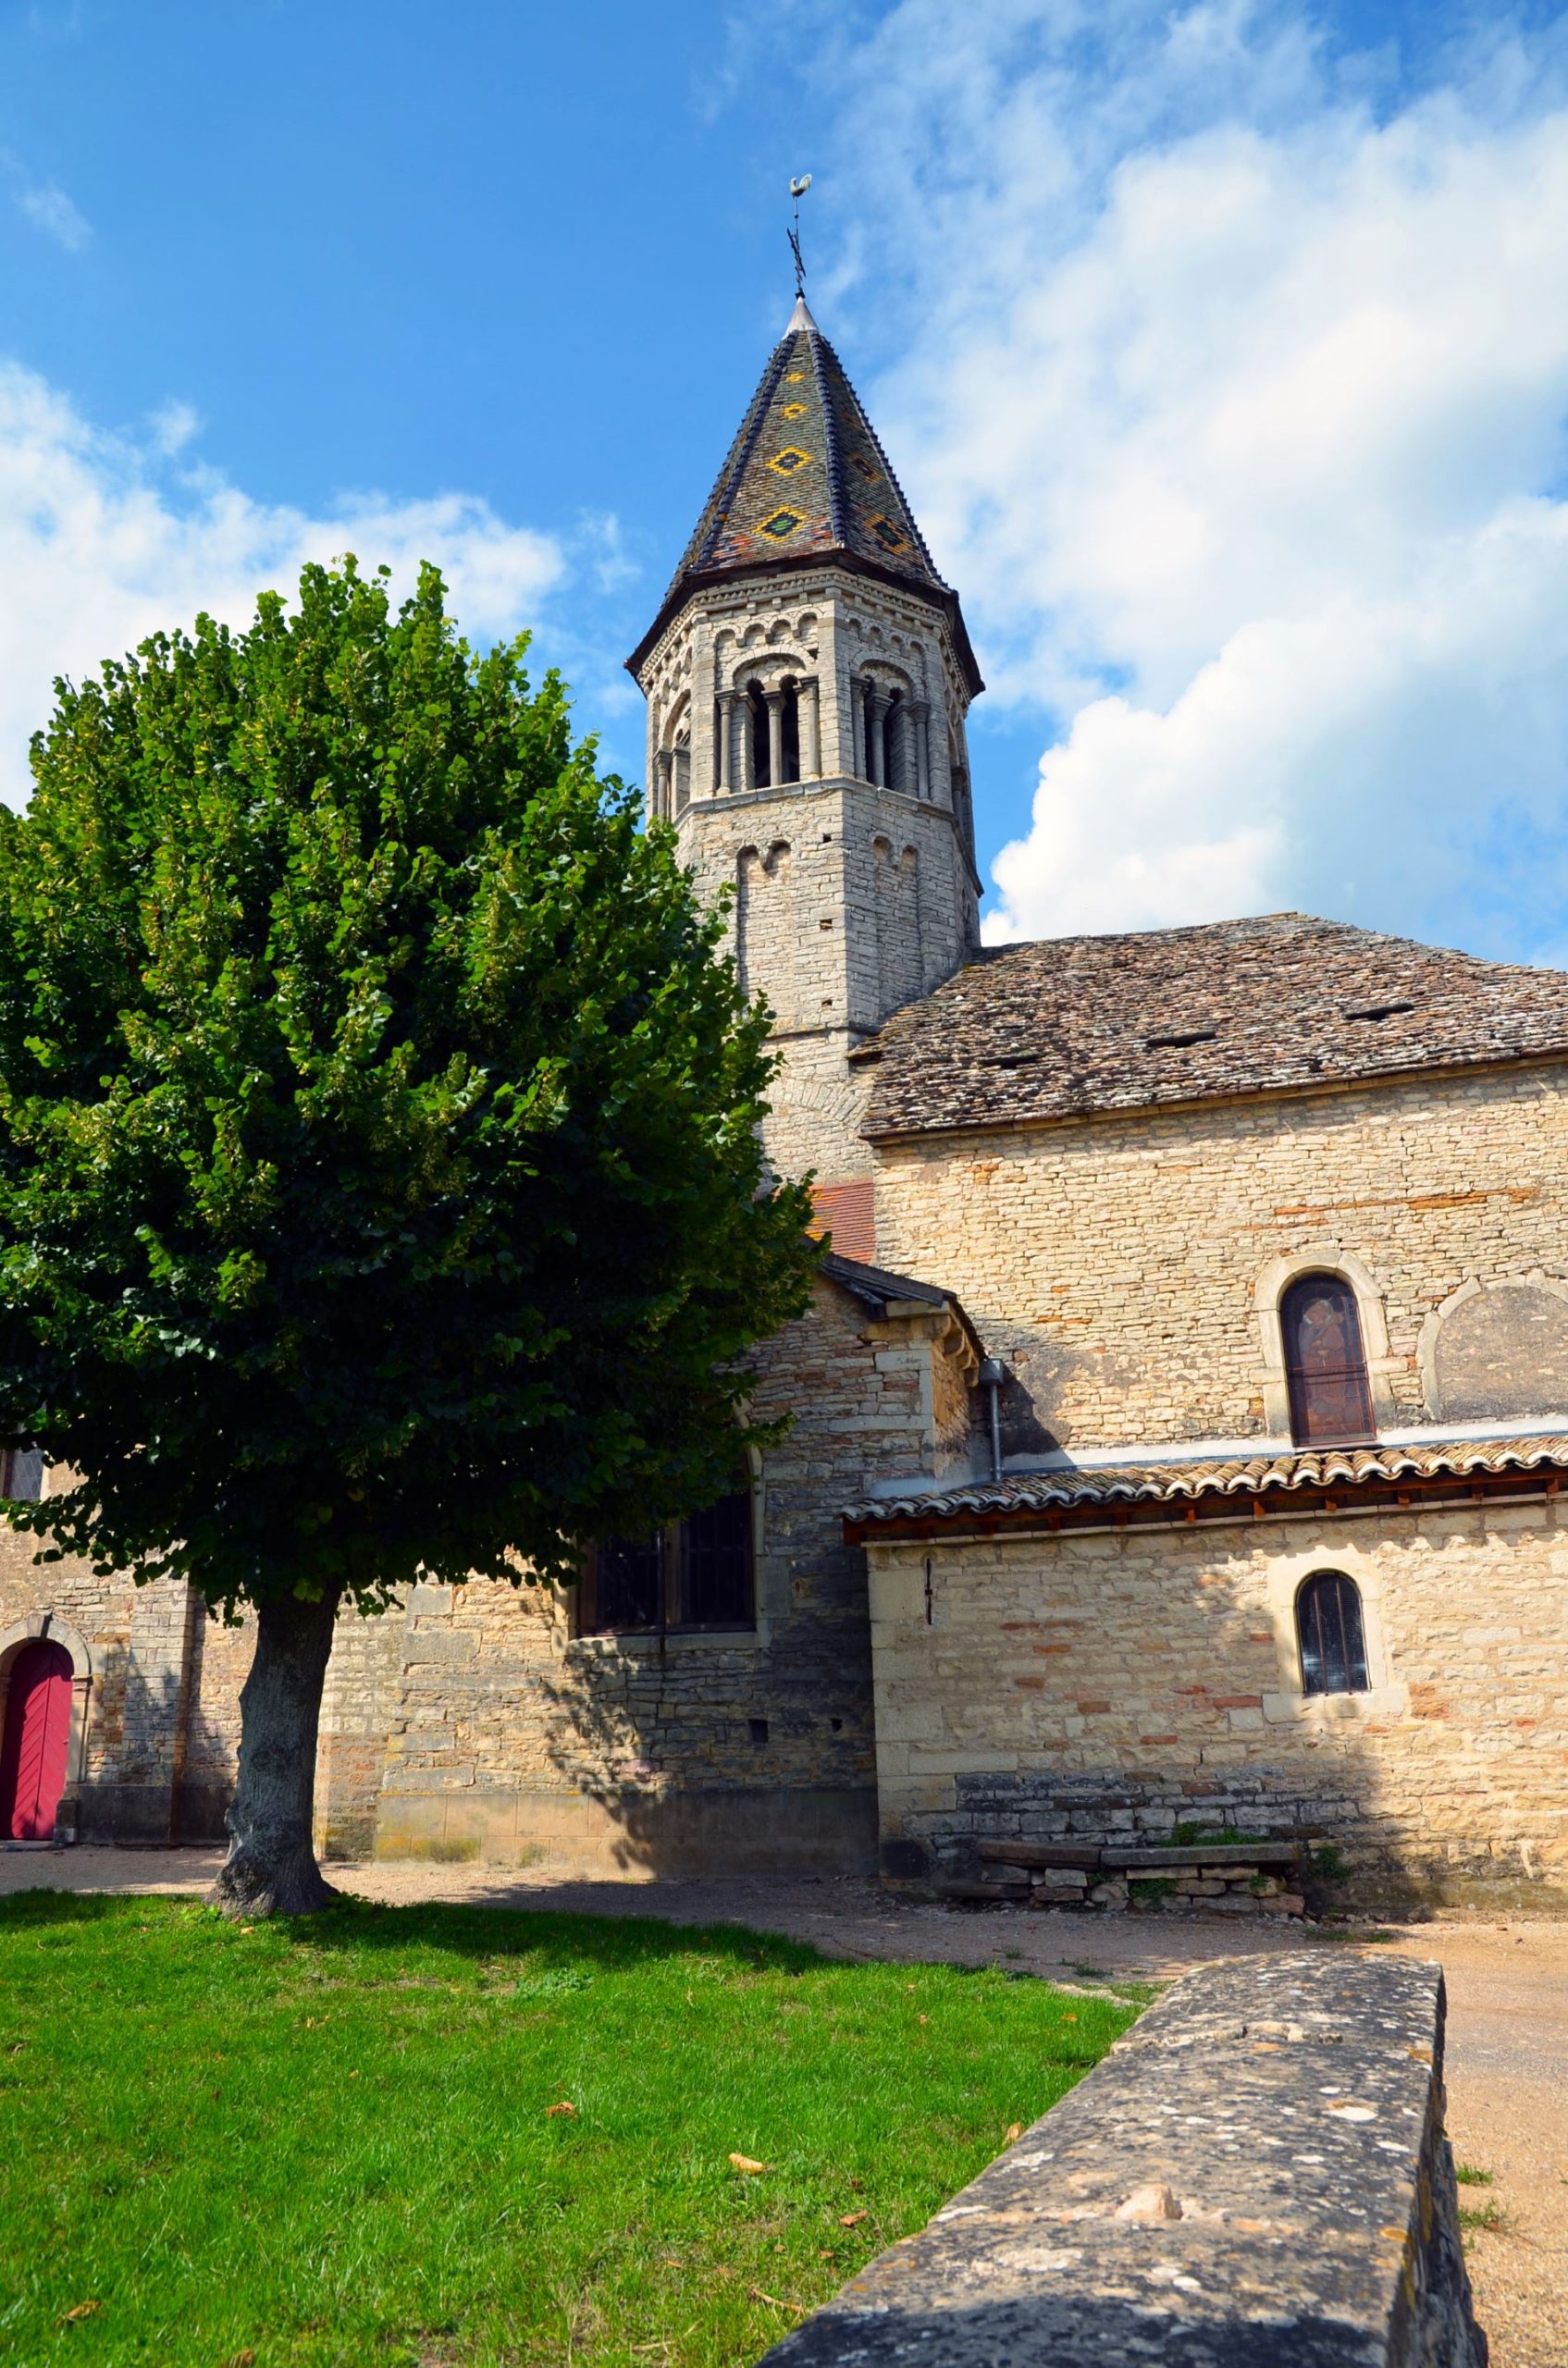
[(1067, 1026), (1110, 1485)]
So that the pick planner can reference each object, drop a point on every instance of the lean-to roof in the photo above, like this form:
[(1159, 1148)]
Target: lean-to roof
[(1297, 1482)]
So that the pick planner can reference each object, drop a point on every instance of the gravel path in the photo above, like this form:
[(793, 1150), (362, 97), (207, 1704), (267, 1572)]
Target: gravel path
[(1507, 2010)]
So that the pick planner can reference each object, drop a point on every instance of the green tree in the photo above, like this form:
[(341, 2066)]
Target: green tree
[(380, 1188)]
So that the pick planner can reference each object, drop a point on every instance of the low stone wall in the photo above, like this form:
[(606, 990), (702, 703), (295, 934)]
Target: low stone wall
[(1255, 2177)]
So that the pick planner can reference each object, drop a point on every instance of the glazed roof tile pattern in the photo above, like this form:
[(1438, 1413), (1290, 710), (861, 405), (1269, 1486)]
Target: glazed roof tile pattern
[(1173, 1484), (806, 474), (1063, 1027)]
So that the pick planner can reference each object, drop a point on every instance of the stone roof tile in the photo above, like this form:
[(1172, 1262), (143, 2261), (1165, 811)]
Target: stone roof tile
[(1064, 1027)]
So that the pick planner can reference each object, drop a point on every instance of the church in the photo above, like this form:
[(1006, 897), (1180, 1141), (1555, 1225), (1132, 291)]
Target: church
[(1177, 1433)]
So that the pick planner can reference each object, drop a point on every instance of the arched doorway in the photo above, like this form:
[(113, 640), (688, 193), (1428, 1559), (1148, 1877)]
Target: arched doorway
[(36, 1743)]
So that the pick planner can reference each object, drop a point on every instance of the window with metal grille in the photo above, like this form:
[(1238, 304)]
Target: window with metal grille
[(21, 1475), (713, 1575), (1325, 1364), (696, 1574), (1329, 1631), (624, 1584)]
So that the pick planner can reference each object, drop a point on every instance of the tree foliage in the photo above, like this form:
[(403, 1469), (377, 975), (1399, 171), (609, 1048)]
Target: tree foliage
[(380, 1187)]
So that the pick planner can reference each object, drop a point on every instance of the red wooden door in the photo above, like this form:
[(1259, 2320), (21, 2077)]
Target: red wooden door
[(32, 1755)]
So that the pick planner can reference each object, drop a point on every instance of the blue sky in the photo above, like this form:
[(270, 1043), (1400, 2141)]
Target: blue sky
[(1222, 347)]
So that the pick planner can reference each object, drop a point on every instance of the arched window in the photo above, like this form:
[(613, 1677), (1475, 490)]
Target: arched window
[(789, 724), (756, 723), (696, 1574), (1328, 1631), (893, 745), (1325, 1364)]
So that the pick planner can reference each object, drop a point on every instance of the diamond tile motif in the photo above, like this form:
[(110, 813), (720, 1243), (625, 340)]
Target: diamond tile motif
[(863, 467), (888, 535), (781, 522), (793, 411), (789, 460)]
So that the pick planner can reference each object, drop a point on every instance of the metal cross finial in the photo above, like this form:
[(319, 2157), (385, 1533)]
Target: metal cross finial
[(798, 190)]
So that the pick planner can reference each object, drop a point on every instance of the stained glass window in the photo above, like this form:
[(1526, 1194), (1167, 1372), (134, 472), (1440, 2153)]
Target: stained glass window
[(1325, 1364), (1329, 1630)]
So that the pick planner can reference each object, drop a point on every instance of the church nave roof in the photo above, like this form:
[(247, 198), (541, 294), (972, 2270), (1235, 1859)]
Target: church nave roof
[(1063, 1026)]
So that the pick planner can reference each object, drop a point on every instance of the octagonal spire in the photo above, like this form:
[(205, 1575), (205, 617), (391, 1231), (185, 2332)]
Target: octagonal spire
[(806, 479)]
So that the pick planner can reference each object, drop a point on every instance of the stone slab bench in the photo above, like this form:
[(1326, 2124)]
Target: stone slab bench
[(1255, 2177), (1156, 1856), (1222, 1878)]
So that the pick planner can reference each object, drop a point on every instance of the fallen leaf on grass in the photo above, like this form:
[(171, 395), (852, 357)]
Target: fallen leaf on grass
[(354, 2074), (925, 2019), (776, 2301), (743, 2163), (569, 2109), (1069, 2018), (852, 2219), (242, 2359), (1015, 2131), (80, 2310)]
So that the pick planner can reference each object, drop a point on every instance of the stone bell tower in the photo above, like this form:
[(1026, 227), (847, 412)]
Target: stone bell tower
[(807, 677)]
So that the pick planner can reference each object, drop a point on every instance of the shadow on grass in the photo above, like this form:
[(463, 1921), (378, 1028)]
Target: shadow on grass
[(561, 1939)]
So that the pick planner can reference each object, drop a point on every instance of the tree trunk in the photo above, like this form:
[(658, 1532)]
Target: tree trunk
[(271, 1869)]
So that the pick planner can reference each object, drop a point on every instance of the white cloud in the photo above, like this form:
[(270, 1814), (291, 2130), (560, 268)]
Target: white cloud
[(173, 426), (100, 544), (48, 208), (1236, 416)]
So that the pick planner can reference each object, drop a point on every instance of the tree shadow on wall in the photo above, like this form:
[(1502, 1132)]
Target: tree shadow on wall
[(158, 1753), (687, 1786)]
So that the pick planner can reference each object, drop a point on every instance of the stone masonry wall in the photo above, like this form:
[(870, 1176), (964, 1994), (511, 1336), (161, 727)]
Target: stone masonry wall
[(1111, 1684), (1256, 2176), (162, 1726), (1112, 1261), (848, 899), (508, 1737)]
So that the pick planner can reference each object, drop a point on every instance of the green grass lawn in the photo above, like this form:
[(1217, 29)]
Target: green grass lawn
[(331, 2140)]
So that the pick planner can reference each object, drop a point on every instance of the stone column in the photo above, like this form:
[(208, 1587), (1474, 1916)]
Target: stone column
[(919, 717), (661, 800), (745, 771), (774, 702), (726, 769), (901, 758), (811, 730), (877, 705), (857, 725)]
